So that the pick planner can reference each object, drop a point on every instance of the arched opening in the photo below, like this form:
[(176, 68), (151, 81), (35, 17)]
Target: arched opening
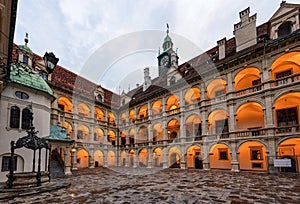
[(174, 157), (111, 158), (192, 96), (83, 133), (111, 119), (83, 110), (284, 66), (285, 29), (131, 158), (143, 158), (123, 119), (173, 130), (194, 157), (111, 137), (123, 138), (216, 89), (252, 155), (143, 112), (65, 104), (218, 122), (131, 136), (143, 134), (98, 158), (123, 158), (287, 111), (250, 116), (157, 132), (219, 157), (248, 77), (173, 103), (193, 127), (99, 135), (158, 157), (99, 115), (82, 159), (157, 107), (132, 116), (290, 149)]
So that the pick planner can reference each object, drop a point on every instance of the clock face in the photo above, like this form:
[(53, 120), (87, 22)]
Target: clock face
[(165, 60)]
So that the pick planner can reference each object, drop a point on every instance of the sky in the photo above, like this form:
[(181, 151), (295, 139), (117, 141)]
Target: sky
[(110, 42)]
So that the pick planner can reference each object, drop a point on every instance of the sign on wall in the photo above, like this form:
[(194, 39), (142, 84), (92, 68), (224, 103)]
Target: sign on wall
[(282, 163)]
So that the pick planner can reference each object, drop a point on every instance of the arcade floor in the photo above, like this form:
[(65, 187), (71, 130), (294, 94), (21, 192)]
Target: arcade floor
[(142, 185)]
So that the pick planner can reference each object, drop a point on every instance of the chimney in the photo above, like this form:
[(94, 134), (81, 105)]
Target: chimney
[(222, 48), (245, 30), (147, 79)]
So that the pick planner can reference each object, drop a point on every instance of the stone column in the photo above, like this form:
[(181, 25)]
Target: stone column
[(205, 159), (149, 158), (231, 119), (68, 162), (105, 159), (91, 160), (183, 161), (235, 166), (271, 155), (136, 159), (166, 155), (74, 161)]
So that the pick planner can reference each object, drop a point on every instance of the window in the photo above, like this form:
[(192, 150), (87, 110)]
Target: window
[(287, 117), (223, 154), (283, 74), (285, 29), (61, 107), (44, 75), (14, 117), (26, 119), (79, 134), (222, 126), (25, 59), (172, 80), (6, 161), (21, 95), (96, 137), (256, 154), (99, 98)]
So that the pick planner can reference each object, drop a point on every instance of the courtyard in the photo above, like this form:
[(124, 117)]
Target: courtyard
[(143, 185)]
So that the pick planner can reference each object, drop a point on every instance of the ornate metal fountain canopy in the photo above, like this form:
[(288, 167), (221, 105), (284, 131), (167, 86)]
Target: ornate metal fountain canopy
[(32, 141)]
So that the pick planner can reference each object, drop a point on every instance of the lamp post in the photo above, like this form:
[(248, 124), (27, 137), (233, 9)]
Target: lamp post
[(50, 61), (73, 150)]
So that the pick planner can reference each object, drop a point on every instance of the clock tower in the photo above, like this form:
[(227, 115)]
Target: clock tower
[(168, 57)]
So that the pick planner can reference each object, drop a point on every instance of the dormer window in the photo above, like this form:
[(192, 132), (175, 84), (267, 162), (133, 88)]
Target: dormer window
[(172, 80), (99, 98), (285, 29), (25, 59)]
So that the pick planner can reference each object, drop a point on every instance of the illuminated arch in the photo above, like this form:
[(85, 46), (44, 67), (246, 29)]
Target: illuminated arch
[(123, 158), (123, 138), (157, 107), (111, 118), (99, 135), (192, 95), (172, 102), (68, 127), (288, 62), (289, 148), (83, 110), (173, 129), (99, 114), (158, 157), (216, 88), (250, 115), (218, 122), (194, 157), (193, 126), (143, 157), (287, 109), (111, 158), (246, 78), (131, 136), (174, 157), (111, 137), (83, 133), (82, 159), (143, 112), (157, 132), (132, 115), (98, 158), (65, 104), (220, 157), (143, 134)]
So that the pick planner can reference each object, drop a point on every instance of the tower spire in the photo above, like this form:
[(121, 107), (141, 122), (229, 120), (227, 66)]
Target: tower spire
[(26, 39), (167, 29)]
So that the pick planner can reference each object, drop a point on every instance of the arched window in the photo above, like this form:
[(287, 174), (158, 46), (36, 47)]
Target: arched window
[(285, 29), (99, 98), (14, 117), (172, 80), (26, 118)]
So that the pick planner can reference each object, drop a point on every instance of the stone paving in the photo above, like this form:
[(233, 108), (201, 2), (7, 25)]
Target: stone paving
[(124, 185)]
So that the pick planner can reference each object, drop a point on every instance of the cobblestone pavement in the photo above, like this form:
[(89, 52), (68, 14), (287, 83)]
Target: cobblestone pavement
[(101, 185)]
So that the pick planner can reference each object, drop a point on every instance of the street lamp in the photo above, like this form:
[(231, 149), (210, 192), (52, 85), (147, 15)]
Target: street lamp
[(50, 61)]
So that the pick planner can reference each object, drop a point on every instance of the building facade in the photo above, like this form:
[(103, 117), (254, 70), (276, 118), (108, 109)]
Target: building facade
[(233, 107)]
